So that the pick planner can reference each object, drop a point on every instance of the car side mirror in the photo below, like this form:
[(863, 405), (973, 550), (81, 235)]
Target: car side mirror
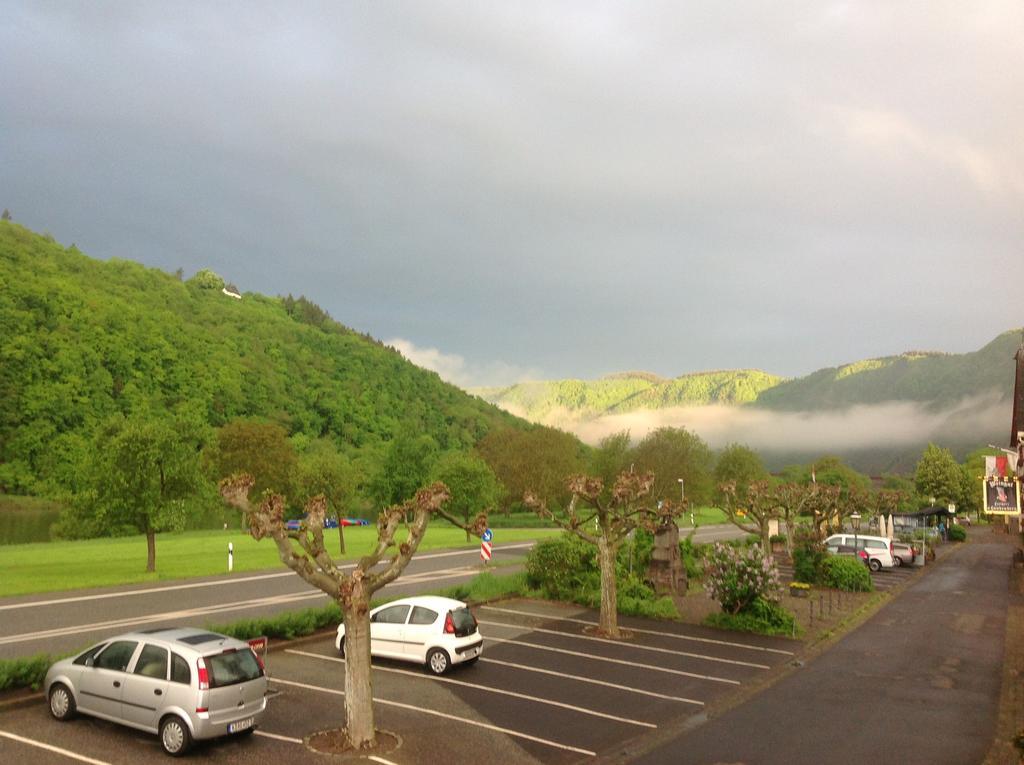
[(89, 662)]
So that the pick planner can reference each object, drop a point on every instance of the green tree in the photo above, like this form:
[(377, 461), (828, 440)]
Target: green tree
[(474, 487), (674, 453), (260, 449), (938, 476), (407, 465), (535, 460), (741, 465), (6, 214), (207, 280), (323, 470), (145, 475), (611, 456)]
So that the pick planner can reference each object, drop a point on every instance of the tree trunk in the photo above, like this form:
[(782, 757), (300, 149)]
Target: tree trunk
[(609, 623), (358, 683), (341, 536), (150, 550), (766, 543)]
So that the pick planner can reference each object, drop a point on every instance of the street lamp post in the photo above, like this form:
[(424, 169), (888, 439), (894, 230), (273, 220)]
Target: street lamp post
[(855, 520), (682, 497)]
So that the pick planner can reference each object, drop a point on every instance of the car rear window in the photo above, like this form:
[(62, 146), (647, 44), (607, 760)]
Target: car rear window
[(465, 623), (232, 667)]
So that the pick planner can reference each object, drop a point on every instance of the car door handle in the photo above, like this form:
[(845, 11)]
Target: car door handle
[(117, 683), (158, 692)]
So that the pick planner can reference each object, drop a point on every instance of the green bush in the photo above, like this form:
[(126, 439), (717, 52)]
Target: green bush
[(284, 626), (762, 617), (693, 559), (808, 560), (25, 673), (488, 586), (562, 566), (956, 534), (849, 574)]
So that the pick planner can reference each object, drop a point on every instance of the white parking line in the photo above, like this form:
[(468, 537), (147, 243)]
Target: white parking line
[(634, 664), (239, 605), (644, 631), (590, 680), (622, 644), (224, 582), (487, 689), (49, 748), (435, 713), (277, 737)]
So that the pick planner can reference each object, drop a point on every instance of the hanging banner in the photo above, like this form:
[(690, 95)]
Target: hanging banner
[(1002, 496)]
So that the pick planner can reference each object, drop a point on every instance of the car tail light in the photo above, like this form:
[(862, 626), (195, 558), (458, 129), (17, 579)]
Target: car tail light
[(449, 624), (863, 555), (204, 675)]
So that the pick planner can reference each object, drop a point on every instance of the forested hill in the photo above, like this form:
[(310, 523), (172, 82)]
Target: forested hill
[(82, 339), (934, 379), (630, 391)]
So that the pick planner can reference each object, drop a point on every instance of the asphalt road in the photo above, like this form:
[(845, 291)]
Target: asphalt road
[(64, 622), (919, 682)]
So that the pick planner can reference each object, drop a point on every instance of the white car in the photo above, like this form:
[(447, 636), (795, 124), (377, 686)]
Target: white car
[(433, 631), (878, 549)]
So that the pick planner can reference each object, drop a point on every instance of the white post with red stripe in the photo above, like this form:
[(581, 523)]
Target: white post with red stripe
[(485, 545)]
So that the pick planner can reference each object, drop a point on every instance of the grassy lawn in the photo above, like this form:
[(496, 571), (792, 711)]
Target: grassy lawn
[(52, 566), (703, 516)]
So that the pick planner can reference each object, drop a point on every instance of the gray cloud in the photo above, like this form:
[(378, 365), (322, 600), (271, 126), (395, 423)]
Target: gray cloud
[(575, 188)]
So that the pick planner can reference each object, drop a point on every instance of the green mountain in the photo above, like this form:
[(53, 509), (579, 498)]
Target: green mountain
[(627, 392), (81, 339), (937, 380)]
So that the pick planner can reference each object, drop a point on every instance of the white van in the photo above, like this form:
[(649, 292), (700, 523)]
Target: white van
[(878, 549)]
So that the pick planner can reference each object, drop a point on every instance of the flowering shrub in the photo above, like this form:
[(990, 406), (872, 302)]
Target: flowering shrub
[(736, 579)]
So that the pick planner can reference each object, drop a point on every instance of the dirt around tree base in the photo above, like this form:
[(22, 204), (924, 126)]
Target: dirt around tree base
[(335, 742), (624, 634)]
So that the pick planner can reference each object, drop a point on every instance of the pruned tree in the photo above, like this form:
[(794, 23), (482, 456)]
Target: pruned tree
[(303, 551), (796, 500), (604, 519), (762, 505)]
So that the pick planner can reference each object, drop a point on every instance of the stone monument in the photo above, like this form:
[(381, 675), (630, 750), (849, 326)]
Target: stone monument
[(666, 572)]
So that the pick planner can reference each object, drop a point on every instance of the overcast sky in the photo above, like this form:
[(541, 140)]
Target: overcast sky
[(512, 189)]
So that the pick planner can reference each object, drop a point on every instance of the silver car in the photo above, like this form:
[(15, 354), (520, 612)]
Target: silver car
[(182, 683)]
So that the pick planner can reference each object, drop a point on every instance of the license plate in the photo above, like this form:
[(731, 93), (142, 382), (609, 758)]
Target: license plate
[(240, 725)]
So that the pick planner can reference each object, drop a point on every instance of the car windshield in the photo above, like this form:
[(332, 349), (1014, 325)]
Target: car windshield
[(232, 667)]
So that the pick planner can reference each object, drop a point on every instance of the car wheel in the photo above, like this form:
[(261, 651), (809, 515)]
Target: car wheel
[(341, 648), (438, 661), (897, 561), (62, 702), (174, 736), (875, 565)]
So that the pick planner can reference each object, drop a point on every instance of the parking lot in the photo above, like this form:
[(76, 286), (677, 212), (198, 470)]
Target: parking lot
[(544, 691)]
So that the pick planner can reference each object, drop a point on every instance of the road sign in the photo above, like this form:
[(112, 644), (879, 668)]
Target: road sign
[(487, 536), (485, 551)]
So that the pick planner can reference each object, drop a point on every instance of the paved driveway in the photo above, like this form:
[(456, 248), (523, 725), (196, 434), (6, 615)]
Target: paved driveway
[(918, 683)]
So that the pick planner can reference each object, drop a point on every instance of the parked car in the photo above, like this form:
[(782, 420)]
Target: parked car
[(329, 523), (877, 548), (433, 631), (181, 683), (903, 554), (852, 551)]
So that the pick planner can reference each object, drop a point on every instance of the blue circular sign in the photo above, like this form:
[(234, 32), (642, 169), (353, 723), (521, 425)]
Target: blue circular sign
[(487, 536)]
